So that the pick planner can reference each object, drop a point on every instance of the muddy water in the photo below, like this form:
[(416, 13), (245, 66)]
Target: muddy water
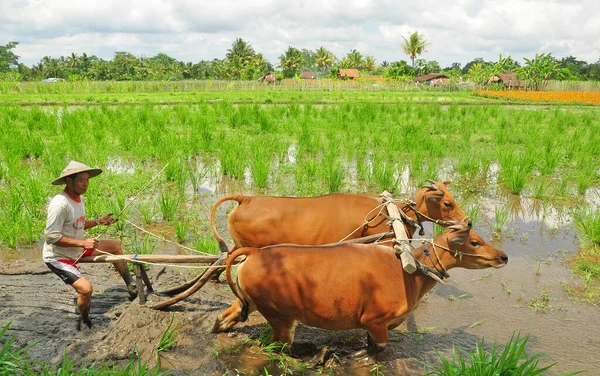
[(526, 296)]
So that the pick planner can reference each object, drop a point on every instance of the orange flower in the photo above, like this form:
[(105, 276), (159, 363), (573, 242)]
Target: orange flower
[(590, 97)]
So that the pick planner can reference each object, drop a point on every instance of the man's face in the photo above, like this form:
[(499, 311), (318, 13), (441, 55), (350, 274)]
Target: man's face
[(79, 183)]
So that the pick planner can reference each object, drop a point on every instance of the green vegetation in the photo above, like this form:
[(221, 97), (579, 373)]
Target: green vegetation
[(512, 360), (168, 340)]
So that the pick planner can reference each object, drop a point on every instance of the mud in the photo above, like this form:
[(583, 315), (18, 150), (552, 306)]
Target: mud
[(526, 296)]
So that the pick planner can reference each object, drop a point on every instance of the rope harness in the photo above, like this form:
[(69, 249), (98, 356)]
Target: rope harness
[(439, 274)]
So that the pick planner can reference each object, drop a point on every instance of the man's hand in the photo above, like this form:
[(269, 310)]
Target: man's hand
[(107, 219), (90, 243)]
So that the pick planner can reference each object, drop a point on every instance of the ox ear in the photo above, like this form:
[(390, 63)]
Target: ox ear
[(459, 234), (446, 183)]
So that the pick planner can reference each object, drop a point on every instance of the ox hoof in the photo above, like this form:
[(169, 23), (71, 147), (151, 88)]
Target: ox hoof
[(219, 326), (367, 352)]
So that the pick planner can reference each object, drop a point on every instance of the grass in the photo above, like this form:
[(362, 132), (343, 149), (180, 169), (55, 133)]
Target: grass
[(168, 339), (513, 359)]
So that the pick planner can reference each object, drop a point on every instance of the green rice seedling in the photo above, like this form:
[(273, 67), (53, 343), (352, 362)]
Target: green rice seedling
[(205, 243), (145, 246), (232, 158), (334, 176), (512, 360), (587, 222), (541, 190), (168, 339), (181, 230), (514, 178), (585, 179), (473, 211), (500, 218), (437, 230), (146, 211), (115, 205), (260, 163), (384, 176), (169, 206), (265, 334), (14, 360)]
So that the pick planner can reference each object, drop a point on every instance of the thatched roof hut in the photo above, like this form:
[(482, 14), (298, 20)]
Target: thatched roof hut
[(509, 80), (434, 79), (348, 73), (307, 76)]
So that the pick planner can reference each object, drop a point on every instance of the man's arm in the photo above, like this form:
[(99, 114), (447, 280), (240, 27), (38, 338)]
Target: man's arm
[(89, 243)]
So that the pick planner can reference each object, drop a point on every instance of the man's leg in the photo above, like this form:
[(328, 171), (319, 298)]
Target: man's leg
[(114, 247), (84, 299)]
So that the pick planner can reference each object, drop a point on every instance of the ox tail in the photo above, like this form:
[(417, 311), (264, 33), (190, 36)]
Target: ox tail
[(235, 285), (222, 246)]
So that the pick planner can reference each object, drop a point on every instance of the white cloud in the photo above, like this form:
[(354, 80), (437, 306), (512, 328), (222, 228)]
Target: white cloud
[(188, 30)]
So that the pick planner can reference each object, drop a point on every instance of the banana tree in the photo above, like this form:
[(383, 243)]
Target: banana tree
[(539, 70)]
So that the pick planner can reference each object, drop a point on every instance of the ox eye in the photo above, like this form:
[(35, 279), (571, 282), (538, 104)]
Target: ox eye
[(448, 204), (475, 243)]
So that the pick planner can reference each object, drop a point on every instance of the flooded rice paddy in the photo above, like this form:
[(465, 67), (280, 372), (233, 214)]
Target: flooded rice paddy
[(528, 296)]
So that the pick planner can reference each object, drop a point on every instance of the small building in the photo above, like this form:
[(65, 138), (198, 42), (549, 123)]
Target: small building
[(508, 79), (348, 74), (434, 79), (307, 76)]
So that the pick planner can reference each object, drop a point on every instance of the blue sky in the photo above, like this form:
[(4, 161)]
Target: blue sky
[(187, 30)]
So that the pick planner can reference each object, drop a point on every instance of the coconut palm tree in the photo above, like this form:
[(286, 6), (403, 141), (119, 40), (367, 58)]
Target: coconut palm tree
[(290, 61), (414, 45), (324, 59), (368, 63)]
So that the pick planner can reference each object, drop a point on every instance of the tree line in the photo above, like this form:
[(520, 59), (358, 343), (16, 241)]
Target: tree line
[(242, 62)]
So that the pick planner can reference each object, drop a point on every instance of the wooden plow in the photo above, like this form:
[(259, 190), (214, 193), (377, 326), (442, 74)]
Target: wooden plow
[(217, 263), (178, 293)]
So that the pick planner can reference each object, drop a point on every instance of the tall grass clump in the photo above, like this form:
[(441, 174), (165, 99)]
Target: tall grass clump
[(587, 221), (384, 176), (500, 218), (169, 206), (168, 339), (512, 360), (260, 163)]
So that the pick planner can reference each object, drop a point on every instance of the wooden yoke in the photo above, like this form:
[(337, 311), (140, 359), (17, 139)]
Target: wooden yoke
[(402, 244)]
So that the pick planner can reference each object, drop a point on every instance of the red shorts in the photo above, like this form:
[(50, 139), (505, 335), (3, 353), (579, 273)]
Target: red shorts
[(67, 270)]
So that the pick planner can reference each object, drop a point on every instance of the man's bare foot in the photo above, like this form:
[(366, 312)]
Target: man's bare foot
[(86, 321)]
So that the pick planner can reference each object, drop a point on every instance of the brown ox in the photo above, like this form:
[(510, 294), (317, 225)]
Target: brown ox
[(349, 286), (263, 221)]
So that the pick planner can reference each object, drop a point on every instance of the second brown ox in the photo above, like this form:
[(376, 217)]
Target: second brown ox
[(263, 221), (348, 286)]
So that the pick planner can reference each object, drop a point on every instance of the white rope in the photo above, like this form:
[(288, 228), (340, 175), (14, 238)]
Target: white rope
[(380, 207), (158, 263), (167, 240)]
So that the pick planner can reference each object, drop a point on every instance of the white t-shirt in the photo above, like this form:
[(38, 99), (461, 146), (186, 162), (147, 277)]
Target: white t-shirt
[(66, 217)]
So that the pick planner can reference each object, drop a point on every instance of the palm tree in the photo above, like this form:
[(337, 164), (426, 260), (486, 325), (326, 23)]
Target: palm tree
[(324, 59), (239, 56), (290, 61), (368, 63), (414, 45)]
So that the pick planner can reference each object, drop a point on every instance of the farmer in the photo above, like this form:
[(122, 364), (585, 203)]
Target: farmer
[(65, 240)]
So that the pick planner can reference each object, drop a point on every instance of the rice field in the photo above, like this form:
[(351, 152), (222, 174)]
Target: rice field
[(550, 153)]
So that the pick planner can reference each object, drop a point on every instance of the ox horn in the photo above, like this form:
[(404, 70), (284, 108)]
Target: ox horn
[(456, 227), (431, 181), (431, 187)]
